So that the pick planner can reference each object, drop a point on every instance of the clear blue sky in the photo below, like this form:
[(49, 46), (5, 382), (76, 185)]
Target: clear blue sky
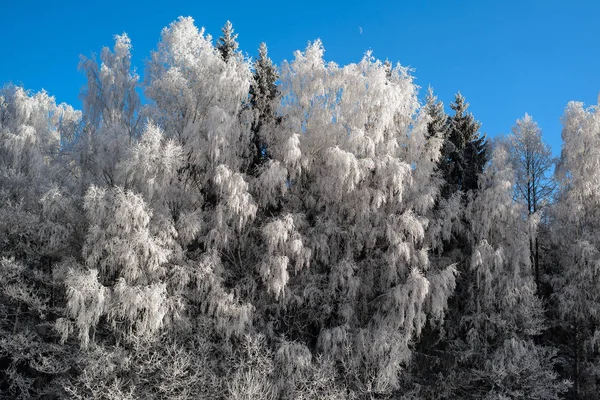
[(507, 57)]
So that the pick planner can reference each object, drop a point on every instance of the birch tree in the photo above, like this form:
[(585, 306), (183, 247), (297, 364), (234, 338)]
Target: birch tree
[(347, 252), (199, 109), (576, 226), (111, 109), (533, 162), (32, 168)]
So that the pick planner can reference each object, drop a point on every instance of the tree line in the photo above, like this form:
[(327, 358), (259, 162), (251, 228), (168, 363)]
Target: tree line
[(300, 231)]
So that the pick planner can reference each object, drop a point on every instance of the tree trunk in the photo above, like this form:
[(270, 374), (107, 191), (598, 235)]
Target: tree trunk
[(537, 265), (534, 265), (576, 369)]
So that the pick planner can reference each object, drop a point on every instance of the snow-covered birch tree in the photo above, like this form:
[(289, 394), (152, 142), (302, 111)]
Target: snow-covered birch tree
[(32, 168), (111, 109), (345, 257), (576, 231), (199, 105)]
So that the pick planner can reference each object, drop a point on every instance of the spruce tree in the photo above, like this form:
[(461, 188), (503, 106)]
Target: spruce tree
[(465, 151), (263, 93), (435, 111), (462, 161), (227, 44)]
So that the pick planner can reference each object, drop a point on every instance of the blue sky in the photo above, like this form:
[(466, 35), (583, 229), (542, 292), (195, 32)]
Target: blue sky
[(507, 57)]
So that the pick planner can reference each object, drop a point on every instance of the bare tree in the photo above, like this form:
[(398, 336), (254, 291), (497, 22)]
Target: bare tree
[(533, 163)]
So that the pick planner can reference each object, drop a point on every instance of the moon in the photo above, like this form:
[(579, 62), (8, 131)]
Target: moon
[(360, 29)]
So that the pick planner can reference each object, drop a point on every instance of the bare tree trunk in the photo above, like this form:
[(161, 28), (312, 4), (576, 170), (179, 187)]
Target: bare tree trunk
[(533, 257), (576, 371), (537, 265)]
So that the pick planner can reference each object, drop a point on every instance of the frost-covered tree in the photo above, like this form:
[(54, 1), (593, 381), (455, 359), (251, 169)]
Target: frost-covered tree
[(199, 103), (111, 111), (227, 43), (576, 231), (532, 162), (437, 126), (205, 129), (37, 227), (32, 170), (109, 96), (32, 129)]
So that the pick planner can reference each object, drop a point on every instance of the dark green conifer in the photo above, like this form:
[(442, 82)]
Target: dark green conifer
[(435, 110), (263, 93), (465, 152)]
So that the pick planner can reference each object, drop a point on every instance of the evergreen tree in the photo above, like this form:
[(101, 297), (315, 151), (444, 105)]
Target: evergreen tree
[(465, 151), (437, 125), (227, 44), (448, 230), (263, 93)]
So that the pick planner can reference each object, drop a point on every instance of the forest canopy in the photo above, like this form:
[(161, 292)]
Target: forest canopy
[(302, 231)]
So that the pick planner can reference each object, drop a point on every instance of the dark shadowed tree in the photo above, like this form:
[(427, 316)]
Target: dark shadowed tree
[(263, 93), (465, 150)]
